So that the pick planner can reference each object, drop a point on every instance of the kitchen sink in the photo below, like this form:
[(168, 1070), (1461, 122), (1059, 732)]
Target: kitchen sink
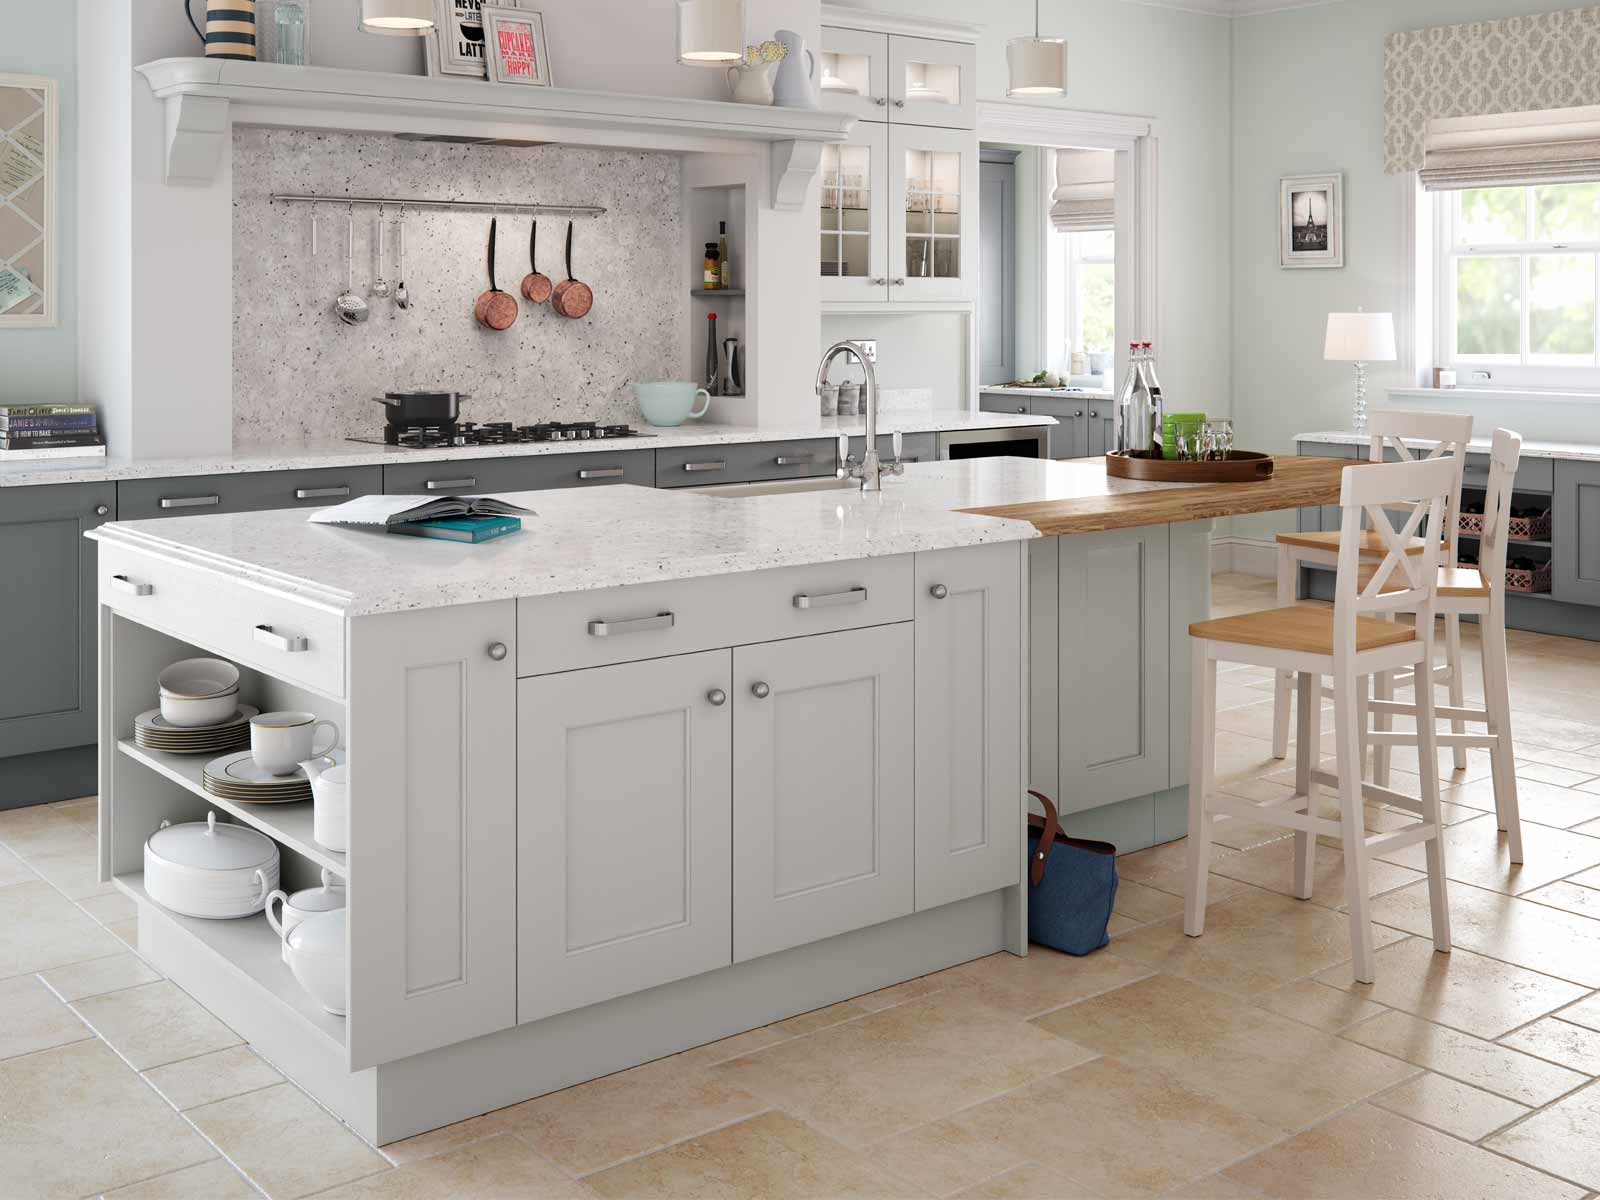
[(777, 487)]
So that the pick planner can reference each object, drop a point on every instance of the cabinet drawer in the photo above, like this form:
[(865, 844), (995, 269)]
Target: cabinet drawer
[(1533, 474), (990, 402), (914, 447), (249, 491), (534, 473), (747, 462), (613, 625), (283, 637)]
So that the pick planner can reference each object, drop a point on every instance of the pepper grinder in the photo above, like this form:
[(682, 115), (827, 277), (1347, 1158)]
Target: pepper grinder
[(713, 362)]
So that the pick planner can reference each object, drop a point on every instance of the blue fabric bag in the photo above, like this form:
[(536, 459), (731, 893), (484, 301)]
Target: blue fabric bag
[(1074, 884)]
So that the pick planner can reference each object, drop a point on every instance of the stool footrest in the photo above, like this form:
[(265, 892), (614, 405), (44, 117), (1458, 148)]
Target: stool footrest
[(1273, 816), (1371, 791), (1382, 843)]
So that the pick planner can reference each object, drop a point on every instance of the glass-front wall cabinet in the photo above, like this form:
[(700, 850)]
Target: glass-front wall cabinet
[(854, 250), (933, 190)]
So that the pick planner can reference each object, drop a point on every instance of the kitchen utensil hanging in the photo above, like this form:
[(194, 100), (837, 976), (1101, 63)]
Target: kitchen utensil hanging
[(536, 287), (572, 298), (495, 309), (402, 296), (352, 309), (380, 286)]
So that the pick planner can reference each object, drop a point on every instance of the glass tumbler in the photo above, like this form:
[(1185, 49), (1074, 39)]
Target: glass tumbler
[(1218, 438), (289, 27)]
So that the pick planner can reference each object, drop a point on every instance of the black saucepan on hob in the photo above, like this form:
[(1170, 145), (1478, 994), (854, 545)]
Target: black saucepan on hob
[(409, 410)]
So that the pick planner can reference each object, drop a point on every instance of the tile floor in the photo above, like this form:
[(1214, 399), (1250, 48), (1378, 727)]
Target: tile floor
[(1242, 1064)]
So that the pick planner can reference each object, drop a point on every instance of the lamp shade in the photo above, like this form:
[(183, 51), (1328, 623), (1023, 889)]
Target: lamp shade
[(1037, 66), (710, 32), (1360, 337), (397, 16)]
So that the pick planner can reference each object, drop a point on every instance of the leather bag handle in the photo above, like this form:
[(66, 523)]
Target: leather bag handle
[(1047, 837)]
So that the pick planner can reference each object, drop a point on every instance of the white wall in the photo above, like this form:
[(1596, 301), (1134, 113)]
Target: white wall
[(1308, 97), (41, 39)]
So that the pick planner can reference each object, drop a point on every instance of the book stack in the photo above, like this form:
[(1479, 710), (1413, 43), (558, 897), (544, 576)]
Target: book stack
[(29, 431), (447, 518)]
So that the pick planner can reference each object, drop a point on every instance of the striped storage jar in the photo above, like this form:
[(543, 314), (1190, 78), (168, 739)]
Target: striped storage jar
[(230, 28)]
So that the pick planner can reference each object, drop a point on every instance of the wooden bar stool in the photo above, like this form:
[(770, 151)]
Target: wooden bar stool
[(1447, 435), (1479, 593), (1346, 643)]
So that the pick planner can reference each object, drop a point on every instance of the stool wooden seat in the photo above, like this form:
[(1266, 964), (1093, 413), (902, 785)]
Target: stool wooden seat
[(1371, 544), (1453, 581), (1349, 644)]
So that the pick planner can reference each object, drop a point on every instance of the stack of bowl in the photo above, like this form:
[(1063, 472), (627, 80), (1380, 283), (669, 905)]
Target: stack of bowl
[(199, 691)]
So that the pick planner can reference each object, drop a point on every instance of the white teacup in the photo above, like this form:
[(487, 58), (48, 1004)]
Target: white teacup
[(281, 741)]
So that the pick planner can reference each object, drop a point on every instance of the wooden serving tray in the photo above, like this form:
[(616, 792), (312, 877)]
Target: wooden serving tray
[(1241, 466)]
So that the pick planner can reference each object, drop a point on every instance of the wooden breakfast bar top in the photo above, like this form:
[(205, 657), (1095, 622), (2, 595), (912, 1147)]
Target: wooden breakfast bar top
[(1096, 502)]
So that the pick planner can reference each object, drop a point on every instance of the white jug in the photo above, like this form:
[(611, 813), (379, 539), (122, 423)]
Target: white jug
[(751, 85), (330, 802), (796, 85)]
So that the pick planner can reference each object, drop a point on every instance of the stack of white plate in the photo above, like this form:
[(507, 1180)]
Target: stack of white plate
[(236, 777), (152, 731)]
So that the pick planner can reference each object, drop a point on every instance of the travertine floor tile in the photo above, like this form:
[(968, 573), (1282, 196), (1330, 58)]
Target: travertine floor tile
[(739, 1044), (1143, 903), (285, 1142), (1272, 867), (1030, 1182), (1368, 1152), (1545, 803), (1588, 878), (73, 871), (501, 1167), (604, 1121), (1449, 1105), (1278, 1070), (1561, 1139), (155, 1023), (889, 1072), (31, 1018), (1513, 930), (821, 1018), (1044, 979), (1579, 761), (75, 1121), (1563, 1042), (440, 1141), (100, 975), (13, 869), (38, 830), (109, 908), (1327, 1008), (1585, 1012), (1466, 991), (771, 1155), (1252, 942), (1117, 923), (1476, 853), (1572, 897), (1117, 1129), (941, 1157), (214, 1180), (208, 1078), (1543, 772), (900, 993), (1165, 868), (1215, 1187), (1461, 1056), (40, 929)]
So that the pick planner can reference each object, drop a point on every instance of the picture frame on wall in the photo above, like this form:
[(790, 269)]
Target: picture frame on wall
[(29, 164), (515, 45), (459, 35), (1311, 220)]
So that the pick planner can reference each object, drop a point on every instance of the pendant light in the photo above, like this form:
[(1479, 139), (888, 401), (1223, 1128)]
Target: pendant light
[(1038, 65), (710, 32), (396, 16)]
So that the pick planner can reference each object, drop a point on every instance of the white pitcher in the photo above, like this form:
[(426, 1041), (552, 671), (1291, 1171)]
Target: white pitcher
[(796, 85), (751, 85), (330, 802)]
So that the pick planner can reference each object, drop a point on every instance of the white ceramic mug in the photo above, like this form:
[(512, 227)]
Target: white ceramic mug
[(281, 741)]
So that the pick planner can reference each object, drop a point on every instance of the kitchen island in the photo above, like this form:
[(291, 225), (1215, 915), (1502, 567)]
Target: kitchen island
[(665, 766)]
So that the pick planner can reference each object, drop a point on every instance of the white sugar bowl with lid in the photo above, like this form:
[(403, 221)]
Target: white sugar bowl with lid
[(316, 952), (211, 870), (293, 909)]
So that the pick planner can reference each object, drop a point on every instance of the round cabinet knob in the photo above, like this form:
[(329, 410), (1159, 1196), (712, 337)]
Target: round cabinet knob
[(1079, 413), (899, 103), (760, 691), (718, 697), (938, 591), (101, 510), (498, 651), (881, 101)]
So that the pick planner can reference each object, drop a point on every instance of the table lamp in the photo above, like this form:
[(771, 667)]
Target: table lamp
[(1360, 338)]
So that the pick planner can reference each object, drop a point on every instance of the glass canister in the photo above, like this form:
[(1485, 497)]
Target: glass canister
[(829, 393), (289, 33)]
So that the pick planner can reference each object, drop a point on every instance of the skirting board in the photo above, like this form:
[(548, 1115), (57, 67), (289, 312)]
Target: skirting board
[(1244, 556), (396, 1100)]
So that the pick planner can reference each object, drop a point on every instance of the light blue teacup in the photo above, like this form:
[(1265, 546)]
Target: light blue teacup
[(669, 402)]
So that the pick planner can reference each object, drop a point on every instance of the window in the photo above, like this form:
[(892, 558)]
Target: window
[(1517, 287), (1091, 278)]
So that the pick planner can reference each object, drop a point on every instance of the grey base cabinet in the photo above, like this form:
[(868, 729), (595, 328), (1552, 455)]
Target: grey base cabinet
[(1575, 528)]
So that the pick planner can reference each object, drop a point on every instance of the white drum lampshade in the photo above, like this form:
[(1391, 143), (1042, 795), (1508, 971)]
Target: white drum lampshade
[(710, 32), (1036, 66), (1360, 338), (397, 16)]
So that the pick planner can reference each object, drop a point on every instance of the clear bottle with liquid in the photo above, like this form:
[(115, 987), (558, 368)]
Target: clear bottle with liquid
[(1154, 405), (1125, 414)]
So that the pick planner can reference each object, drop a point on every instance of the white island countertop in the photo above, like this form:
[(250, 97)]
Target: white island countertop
[(306, 456), (1584, 451), (588, 538)]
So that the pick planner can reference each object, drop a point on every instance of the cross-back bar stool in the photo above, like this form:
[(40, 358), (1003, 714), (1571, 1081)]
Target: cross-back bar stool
[(1346, 643), (1446, 436)]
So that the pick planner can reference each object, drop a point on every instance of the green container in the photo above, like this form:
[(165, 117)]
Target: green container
[(1169, 430)]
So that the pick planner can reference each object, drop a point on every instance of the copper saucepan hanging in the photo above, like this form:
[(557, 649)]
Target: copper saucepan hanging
[(495, 309), (572, 298), (536, 287)]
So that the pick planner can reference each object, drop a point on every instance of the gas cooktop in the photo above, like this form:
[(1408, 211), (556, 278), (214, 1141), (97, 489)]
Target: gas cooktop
[(497, 433)]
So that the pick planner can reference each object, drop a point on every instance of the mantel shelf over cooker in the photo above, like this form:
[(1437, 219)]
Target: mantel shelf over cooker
[(204, 97)]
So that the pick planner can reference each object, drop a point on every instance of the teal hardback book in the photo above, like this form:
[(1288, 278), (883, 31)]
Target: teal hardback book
[(461, 529)]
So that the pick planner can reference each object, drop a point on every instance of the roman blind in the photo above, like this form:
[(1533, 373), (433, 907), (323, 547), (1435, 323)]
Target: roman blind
[(1552, 145), (1084, 199)]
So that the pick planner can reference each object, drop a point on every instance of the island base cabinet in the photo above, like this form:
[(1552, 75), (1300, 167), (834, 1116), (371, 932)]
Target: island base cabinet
[(968, 722), (432, 906), (624, 829), (823, 781)]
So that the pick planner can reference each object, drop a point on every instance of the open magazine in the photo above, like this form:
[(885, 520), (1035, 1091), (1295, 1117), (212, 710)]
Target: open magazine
[(376, 511)]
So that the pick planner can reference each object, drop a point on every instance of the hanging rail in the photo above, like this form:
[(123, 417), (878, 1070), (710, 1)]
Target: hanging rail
[(571, 210)]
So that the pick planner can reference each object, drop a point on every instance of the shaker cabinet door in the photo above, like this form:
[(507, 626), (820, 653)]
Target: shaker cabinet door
[(933, 205), (433, 868), (854, 215), (823, 783), (1576, 524), (969, 722), (853, 75), (624, 829)]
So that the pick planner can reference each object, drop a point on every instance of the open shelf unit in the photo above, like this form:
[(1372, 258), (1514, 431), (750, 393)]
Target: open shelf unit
[(717, 293), (288, 824)]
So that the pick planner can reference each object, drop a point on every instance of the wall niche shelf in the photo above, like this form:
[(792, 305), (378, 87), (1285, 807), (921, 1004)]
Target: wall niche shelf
[(205, 97), (717, 293)]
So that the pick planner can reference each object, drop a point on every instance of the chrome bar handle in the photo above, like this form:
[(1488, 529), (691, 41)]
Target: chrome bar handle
[(327, 493), (122, 583), (289, 643), (445, 485), (855, 595), (705, 466), (664, 620), (785, 460), (190, 501), (602, 473)]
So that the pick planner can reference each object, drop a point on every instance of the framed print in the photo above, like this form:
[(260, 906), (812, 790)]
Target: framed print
[(1311, 220), (29, 159), (515, 45), (458, 25)]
